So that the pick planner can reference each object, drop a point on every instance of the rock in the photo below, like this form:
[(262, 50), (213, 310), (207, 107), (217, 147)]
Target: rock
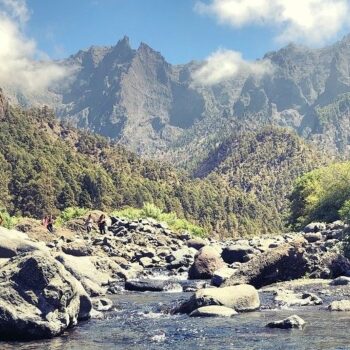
[(221, 275), (85, 271), (148, 285), (290, 298), (284, 263), (196, 243), (315, 227), (312, 237), (236, 253), (181, 257), (293, 321), (339, 305), (146, 262), (340, 281), (213, 311), (206, 262), (39, 298), (240, 298), (77, 248), (13, 242), (102, 304)]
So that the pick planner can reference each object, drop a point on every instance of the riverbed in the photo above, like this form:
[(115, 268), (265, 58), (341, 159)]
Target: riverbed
[(141, 321)]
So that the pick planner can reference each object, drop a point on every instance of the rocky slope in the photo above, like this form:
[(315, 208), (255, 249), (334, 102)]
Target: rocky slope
[(48, 286)]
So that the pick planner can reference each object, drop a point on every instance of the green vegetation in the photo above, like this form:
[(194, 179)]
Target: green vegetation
[(263, 164), (322, 195), (8, 220), (69, 214), (47, 166), (149, 210)]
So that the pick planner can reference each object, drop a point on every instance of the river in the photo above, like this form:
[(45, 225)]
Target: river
[(141, 322)]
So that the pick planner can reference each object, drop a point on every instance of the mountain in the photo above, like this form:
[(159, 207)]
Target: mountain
[(156, 109), (47, 165)]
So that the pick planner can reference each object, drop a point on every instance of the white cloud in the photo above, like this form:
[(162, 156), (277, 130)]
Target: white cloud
[(309, 21), (19, 68), (223, 65)]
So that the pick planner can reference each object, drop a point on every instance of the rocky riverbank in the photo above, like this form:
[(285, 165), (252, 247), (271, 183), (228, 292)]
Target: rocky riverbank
[(50, 282)]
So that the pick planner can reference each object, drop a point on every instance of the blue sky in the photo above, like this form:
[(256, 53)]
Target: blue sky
[(172, 27), (228, 35)]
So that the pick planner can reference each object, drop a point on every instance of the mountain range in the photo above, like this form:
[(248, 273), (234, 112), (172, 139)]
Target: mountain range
[(157, 110)]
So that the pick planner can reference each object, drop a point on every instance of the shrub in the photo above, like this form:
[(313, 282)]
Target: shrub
[(8, 221), (69, 214)]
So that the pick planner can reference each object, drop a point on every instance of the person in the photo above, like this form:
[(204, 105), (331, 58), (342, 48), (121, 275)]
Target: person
[(50, 222), (45, 221), (102, 224), (88, 223)]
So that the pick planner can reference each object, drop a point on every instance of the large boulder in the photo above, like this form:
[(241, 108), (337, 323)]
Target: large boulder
[(39, 298), (240, 298), (236, 253), (84, 270), (206, 262), (13, 242), (77, 248), (196, 243), (286, 262)]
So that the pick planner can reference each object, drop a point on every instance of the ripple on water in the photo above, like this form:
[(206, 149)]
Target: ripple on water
[(140, 324)]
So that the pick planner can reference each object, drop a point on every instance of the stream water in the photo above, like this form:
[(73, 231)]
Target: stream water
[(140, 322)]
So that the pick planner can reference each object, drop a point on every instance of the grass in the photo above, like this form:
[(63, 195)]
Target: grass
[(69, 214), (149, 210), (9, 221)]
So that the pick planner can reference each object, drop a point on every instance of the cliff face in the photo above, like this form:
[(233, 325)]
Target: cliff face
[(154, 107)]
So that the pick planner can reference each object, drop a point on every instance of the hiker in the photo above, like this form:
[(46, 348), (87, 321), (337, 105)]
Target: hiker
[(88, 223), (45, 221), (102, 224), (50, 222)]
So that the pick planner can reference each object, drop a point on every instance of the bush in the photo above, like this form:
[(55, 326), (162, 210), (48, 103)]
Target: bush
[(8, 221), (69, 214)]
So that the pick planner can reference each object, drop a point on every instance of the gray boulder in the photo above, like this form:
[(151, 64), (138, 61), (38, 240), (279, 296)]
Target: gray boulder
[(83, 269), (13, 242), (315, 227), (293, 321), (213, 311), (340, 281), (286, 262), (39, 298), (150, 285), (221, 275), (339, 305), (206, 262), (236, 253), (196, 243), (241, 298)]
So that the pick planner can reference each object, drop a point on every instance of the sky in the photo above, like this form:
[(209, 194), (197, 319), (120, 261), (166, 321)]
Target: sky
[(227, 35), (177, 28), (172, 27)]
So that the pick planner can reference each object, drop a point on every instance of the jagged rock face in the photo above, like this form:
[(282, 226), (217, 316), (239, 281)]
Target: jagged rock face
[(139, 98)]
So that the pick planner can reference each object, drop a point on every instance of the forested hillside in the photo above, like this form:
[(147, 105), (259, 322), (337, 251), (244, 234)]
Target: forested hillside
[(322, 195), (263, 163), (47, 166)]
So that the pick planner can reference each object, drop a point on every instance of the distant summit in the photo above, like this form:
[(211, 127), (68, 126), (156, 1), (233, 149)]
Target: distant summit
[(136, 97)]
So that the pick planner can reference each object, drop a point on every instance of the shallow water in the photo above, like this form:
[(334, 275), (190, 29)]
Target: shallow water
[(141, 323)]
